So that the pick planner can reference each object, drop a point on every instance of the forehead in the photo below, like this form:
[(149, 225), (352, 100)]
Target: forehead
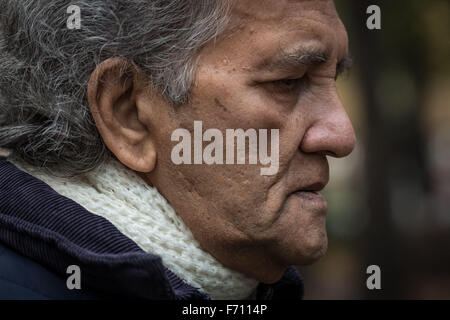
[(266, 26), (276, 9)]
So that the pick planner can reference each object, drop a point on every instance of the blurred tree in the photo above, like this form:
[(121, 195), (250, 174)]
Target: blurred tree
[(394, 66)]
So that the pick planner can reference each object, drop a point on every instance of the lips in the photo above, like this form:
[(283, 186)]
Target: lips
[(315, 187), (311, 192), (309, 195)]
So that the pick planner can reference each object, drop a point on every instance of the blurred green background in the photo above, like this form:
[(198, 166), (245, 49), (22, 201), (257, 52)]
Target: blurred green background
[(389, 202)]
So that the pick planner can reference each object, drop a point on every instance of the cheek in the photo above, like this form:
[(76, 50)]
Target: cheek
[(238, 193), (227, 97)]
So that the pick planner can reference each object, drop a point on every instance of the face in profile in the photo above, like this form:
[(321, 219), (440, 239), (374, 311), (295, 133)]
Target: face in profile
[(274, 68)]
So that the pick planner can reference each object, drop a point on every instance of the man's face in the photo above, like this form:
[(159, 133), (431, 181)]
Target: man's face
[(274, 69)]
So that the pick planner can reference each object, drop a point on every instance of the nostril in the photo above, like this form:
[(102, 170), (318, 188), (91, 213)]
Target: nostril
[(330, 153), (327, 153)]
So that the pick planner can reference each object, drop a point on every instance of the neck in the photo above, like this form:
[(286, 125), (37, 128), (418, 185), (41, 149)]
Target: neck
[(140, 212)]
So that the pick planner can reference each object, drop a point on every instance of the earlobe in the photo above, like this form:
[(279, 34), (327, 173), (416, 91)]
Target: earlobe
[(113, 96)]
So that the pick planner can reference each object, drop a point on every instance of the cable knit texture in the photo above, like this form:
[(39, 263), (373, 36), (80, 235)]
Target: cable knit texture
[(140, 212)]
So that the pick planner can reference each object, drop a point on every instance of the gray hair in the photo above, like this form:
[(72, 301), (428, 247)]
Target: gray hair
[(44, 67)]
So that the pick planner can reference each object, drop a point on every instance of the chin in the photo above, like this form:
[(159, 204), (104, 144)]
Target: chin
[(305, 248), (300, 231), (314, 250)]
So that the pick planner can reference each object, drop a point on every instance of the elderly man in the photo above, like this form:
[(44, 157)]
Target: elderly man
[(93, 204)]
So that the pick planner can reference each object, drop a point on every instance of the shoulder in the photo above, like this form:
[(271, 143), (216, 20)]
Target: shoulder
[(23, 278)]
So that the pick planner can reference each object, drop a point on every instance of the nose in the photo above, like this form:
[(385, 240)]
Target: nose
[(331, 132)]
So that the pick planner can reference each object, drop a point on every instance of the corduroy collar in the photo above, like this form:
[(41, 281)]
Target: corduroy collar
[(57, 232)]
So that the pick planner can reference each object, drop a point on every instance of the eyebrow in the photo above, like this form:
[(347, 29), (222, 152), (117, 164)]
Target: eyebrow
[(343, 65), (302, 57)]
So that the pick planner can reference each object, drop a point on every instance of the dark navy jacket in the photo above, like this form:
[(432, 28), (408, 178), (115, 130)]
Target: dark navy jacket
[(43, 232)]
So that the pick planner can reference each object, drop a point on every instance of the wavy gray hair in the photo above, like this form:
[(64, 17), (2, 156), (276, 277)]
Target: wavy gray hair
[(45, 67)]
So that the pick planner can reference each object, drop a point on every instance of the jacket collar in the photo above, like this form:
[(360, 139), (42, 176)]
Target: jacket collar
[(57, 232)]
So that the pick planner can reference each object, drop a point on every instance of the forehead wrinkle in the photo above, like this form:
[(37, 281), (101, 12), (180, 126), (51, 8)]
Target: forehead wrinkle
[(274, 9)]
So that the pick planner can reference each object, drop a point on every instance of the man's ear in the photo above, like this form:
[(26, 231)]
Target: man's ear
[(113, 93)]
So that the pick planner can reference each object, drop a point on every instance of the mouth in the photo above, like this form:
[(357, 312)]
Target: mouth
[(309, 195), (311, 192)]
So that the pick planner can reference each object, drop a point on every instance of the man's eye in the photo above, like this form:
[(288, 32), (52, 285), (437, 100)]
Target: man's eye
[(289, 85)]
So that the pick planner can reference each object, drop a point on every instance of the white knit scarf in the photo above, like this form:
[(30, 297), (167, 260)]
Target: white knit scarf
[(140, 212)]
